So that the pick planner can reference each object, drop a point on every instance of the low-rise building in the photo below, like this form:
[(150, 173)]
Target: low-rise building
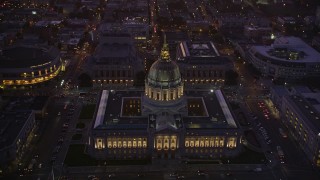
[(288, 58), (201, 64), (299, 109), (16, 131)]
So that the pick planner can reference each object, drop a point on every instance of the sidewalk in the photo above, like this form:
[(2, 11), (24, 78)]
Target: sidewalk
[(164, 168)]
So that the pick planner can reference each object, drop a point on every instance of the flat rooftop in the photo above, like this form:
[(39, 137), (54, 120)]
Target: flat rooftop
[(216, 108), (117, 113), (307, 109), (122, 110), (26, 56), (289, 49), (11, 123), (198, 49), (25, 102)]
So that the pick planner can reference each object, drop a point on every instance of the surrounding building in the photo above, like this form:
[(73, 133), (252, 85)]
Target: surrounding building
[(257, 32), (138, 28), (27, 65), (115, 60), (317, 21), (299, 109), (201, 64), (285, 24), (164, 121), (16, 130), (288, 58)]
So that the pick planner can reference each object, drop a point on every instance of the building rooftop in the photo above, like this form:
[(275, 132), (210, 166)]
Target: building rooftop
[(289, 49), (196, 49), (115, 45), (122, 110), (27, 56), (11, 123), (307, 109), (114, 108), (280, 90), (218, 113), (25, 102)]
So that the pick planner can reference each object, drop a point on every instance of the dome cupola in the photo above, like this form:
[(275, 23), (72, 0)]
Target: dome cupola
[(164, 79)]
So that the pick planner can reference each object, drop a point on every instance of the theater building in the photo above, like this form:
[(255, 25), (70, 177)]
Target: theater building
[(22, 66)]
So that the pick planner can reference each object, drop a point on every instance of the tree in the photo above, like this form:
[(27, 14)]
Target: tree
[(231, 77), (139, 78), (85, 80)]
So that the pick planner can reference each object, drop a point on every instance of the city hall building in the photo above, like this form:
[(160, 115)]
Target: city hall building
[(164, 121)]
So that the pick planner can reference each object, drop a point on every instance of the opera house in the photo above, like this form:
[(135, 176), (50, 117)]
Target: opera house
[(24, 65)]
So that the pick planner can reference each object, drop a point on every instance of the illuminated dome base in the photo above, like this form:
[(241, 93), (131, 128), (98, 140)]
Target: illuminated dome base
[(164, 83), (151, 106)]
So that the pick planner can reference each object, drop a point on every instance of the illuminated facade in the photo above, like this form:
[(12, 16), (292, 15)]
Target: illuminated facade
[(162, 122), (164, 80), (28, 65), (17, 128), (299, 110), (201, 64)]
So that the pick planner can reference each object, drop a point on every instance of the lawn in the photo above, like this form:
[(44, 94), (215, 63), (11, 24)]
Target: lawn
[(80, 125), (76, 156), (77, 137), (129, 162), (87, 111), (247, 157)]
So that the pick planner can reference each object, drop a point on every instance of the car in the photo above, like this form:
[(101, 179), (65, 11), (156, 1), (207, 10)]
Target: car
[(201, 173), (173, 174), (111, 175), (269, 152), (180, 177), (91, 177), (57, 149), (60, 140), (141, 175), (53, 159)]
